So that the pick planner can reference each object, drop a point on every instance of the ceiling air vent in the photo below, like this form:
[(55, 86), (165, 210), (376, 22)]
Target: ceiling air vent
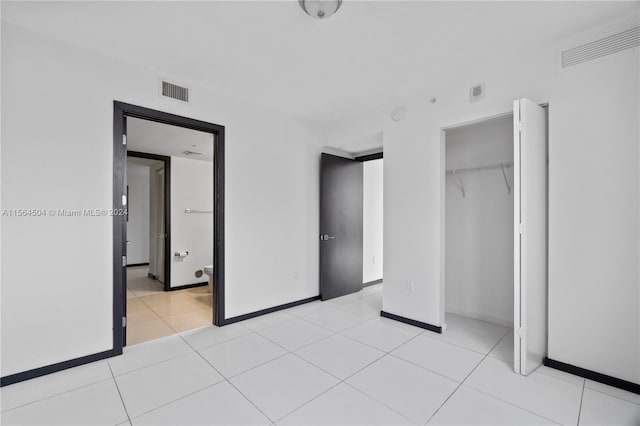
[(602, 47), (174, 91)]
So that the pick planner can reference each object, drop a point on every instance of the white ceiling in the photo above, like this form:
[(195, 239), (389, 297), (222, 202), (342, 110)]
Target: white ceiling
[(163, 139), (271, 54)]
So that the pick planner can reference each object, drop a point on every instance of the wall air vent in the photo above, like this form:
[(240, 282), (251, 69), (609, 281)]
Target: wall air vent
[(601, 47), (173, 91)]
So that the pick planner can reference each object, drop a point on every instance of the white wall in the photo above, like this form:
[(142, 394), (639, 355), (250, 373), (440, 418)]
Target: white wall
[(479, 227), (372, 220), (594, 217), (593, 207), (138, 224), (191, 188), (57, 139)]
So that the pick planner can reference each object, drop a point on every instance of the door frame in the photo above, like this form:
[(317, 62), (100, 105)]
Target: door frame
[(443, 202), (122, 110), (166, 207), (443, 191)]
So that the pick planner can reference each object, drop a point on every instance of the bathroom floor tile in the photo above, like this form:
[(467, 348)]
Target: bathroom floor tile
[(147, 330), (96, 404), (407, 389), (282, 385), (220, 404), (138, 312), (190, 320), (151, 387), (344, 405)]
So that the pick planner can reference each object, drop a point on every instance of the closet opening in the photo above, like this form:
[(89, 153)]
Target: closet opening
[(494, 288), (479, 225)]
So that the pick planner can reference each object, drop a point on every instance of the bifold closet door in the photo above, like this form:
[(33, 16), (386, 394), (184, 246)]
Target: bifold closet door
[(530, 236)]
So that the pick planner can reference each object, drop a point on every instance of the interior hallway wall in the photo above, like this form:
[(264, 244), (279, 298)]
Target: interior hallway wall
[(372, 220), (191, 188), (479, 226), (271, 219), (138, 223)]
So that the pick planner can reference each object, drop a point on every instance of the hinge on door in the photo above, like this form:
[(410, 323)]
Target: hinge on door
[(124, 322), (521, 228), (520, 332), (520, 125), (124, 260), (124, 139)]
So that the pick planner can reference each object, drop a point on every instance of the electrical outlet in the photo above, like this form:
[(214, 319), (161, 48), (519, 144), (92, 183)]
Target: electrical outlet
[(410, 286)]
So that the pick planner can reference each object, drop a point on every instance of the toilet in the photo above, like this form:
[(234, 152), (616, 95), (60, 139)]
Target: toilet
[(208, 269)]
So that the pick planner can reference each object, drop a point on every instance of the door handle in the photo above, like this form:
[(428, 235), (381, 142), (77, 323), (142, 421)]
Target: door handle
[(326, 237)]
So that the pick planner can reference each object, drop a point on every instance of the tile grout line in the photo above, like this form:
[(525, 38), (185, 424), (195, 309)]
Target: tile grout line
[(464, 380), (584, 383), (340, 381), (289, 352), (344, 381), (500, 399), (126, 411), (177, 399), (55, 395), (229, 382)]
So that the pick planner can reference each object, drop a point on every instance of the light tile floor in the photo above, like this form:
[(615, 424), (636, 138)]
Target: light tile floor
[(153, 313), (302, 367)]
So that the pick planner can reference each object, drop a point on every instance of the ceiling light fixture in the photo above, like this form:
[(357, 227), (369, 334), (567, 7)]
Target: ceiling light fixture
[(320, 9)]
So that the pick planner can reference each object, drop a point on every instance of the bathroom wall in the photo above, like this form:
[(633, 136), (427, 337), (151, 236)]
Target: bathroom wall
[(372, 220), (479, 226), (138, 223), (191, 188)]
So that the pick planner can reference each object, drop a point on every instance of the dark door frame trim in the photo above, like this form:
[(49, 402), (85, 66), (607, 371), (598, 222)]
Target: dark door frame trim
[(369, 157), (166, 207), (120, 111)]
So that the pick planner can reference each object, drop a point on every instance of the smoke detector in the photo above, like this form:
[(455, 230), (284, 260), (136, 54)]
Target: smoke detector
[(397, 114)]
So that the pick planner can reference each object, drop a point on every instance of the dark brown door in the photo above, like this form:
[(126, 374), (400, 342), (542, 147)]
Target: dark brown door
[(340, 226)]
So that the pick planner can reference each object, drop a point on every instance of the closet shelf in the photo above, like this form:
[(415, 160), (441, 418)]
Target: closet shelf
[(499, 166)]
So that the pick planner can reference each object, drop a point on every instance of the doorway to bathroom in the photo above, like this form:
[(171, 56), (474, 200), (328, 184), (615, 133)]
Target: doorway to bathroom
[(168, 244)]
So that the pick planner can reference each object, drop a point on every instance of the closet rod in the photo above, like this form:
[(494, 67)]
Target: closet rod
[(477, 169), (197, 211)]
